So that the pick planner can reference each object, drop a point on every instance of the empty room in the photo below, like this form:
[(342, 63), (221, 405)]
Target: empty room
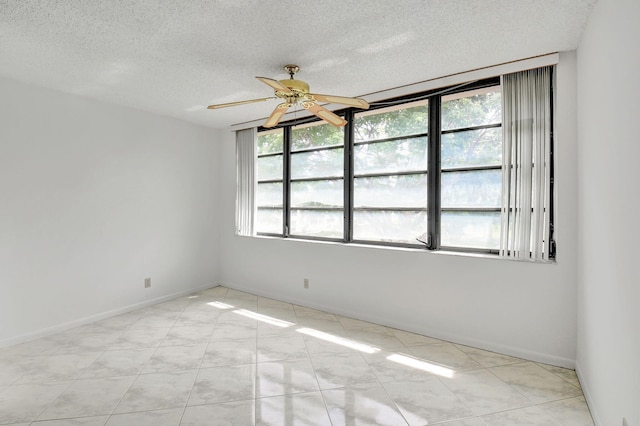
[(411, 212)]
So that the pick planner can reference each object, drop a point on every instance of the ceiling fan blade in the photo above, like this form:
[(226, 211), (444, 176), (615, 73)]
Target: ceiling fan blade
[(276, 115), (275, 85), (230, 104), (355, 102), (324, 113)]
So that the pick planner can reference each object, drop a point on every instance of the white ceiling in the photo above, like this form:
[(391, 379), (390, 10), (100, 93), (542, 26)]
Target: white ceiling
[(174, 57)]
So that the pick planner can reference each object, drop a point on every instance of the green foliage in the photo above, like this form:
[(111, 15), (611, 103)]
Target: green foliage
[(270, 141), (315, 136)]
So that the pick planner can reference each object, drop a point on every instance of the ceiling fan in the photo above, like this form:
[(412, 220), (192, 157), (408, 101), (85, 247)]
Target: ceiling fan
[(294, 92)]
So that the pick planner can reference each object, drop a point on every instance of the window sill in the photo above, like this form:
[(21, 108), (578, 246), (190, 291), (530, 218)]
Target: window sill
[(403, 249)]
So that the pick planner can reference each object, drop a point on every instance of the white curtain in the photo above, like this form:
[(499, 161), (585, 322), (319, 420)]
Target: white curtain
[(246, 181), (526, 127)]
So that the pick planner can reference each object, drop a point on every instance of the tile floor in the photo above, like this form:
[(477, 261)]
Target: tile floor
[(224, 357)]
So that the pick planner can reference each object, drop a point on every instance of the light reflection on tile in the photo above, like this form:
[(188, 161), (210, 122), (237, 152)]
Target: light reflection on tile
[(342, 370), (426, 401), (240, 413), (298, 409), (285, 377), (363, 404)]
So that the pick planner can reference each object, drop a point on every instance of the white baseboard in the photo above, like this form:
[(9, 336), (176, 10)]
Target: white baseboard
[(97, 317), (414, 328), (584, 384)]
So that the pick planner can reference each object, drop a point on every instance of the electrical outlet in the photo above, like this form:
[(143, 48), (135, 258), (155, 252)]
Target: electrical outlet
[(147, 282), (306, 283)]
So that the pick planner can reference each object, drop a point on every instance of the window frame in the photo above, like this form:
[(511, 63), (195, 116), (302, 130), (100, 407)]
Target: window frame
[(434, 170)]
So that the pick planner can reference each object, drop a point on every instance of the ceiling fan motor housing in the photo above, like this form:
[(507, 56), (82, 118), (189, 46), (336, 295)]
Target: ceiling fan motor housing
[(296, 85)]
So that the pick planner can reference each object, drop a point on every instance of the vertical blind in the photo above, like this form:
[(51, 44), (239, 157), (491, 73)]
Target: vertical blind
[(246, 181), (526, 164)]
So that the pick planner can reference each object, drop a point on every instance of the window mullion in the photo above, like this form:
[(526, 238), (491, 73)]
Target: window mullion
[(433, 175), (348, 175), (286, 192)]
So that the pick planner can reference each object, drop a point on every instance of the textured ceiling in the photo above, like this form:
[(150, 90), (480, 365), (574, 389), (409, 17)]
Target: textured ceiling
[(174, 57)]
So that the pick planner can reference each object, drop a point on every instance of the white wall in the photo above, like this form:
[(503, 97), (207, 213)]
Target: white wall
[(608, 355), (515, 307), (93, 199)]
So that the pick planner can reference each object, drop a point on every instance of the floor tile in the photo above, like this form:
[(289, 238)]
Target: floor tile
[(302, 409), (23, 403), (488, 359), (239, 413), (426, 401), (392, 366), (285, 377), (484, 393), (570, 412), (281, 348), (158, 391), (54, 368), (223, 384), (530, 416), (169, 417), (445, 354), (233, 332), (363, 404), (125, 362), (413, 339), (80, 421), (175, 358), (230, 352), (381, 338), (10, 371), (187, 335), (564, 373), (472, 421), (85, 342), (342, 370), (536, 383), (88, 397), (140, 338)]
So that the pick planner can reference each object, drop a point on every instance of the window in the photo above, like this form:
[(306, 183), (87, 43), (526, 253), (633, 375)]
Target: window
[(270, 192), (471, 169), (424, 170), (390, 173)]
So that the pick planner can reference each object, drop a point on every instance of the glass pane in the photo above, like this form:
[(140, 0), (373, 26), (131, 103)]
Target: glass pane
[(471, 229), (328, 224), (472, 148), (402, 120), (392, 156), (400, 227), (270, 141), (269, 194), (326, 163), (316, 135), (478, 188), (319, 193), (391, 191), (269, 221), (270, 167), (473, 108)]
